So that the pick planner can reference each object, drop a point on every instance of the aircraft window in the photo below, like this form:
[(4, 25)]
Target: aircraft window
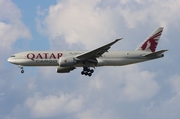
[(13, 56)]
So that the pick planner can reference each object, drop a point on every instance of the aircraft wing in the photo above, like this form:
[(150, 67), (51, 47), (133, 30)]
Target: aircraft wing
[(97, 52)]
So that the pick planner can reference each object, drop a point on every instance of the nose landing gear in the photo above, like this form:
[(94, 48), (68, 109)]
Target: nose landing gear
[(22, 71), (21, 67), (87, 71)]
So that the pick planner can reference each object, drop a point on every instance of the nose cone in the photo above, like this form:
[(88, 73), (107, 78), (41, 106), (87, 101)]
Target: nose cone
[(10, 60)]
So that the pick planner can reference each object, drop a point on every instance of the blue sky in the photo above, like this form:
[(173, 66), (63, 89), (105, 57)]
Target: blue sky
[(146, 90), (29, 13)]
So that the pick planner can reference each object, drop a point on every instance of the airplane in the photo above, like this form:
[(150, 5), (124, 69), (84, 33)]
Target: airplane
[(66, 61)]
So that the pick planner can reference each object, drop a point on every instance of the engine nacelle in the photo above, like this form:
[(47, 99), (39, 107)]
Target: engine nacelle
[(67, 61), (100, 62), (64, 69)]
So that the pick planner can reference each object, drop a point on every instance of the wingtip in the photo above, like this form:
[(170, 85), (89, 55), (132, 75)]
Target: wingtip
[(118, 39)]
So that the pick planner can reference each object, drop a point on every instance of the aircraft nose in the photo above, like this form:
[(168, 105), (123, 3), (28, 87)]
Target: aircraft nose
[(10, 60)]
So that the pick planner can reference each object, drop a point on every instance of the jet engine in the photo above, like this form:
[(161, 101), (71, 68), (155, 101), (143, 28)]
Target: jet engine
[(64, 69), (67, 61)]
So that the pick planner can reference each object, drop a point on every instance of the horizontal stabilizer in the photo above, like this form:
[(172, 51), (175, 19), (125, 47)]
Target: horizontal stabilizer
[(155, 53)]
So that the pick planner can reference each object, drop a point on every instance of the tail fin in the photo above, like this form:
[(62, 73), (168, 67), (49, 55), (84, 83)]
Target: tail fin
[(151, 42)]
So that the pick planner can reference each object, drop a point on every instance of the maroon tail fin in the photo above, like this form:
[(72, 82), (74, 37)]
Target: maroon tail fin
[(151, 42)]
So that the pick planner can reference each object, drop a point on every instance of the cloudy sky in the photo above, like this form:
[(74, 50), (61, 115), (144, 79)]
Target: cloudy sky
[(140, 91)]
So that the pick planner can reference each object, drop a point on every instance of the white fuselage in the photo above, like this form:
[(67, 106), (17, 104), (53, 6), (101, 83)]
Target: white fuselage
[(51, 58), (67, 61)]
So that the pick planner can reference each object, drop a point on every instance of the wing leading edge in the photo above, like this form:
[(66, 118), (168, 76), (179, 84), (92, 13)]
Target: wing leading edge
[(97, 52)]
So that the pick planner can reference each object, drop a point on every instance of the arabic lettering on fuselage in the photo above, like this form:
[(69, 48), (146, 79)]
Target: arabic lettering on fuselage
[(34, 56)]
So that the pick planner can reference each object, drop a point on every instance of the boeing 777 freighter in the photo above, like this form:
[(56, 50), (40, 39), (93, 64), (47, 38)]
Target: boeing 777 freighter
[(66, 61)]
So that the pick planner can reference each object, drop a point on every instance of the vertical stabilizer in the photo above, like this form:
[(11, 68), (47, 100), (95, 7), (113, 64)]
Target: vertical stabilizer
[(151, 42)]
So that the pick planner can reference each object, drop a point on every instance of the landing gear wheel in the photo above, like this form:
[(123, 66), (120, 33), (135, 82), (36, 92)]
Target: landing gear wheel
[(91, 70), (87, 71), (82, 72), (22, 71), (89, 74)]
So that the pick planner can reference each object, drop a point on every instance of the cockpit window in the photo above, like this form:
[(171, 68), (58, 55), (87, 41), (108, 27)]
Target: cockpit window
[(13, 56)]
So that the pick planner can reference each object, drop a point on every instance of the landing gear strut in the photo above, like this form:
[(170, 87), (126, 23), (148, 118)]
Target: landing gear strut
[(87, 71), (21, 67)]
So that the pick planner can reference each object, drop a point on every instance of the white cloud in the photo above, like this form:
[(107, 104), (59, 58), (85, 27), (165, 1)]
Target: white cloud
[(32, 86), (95, 113), (111, 92), (175, 83), (53, 105), (133, 83), (163, 13), (90, 24), (95, 96), (140, 85), (79, 22), (96, 83), (168, 107), (9, 34), (11, 26)]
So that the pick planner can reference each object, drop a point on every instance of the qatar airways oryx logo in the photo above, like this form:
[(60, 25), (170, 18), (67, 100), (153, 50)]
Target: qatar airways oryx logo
[(38, 56), (152, 42)]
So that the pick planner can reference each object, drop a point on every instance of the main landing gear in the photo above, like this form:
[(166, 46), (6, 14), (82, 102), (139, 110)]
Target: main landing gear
[(87, 71)]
